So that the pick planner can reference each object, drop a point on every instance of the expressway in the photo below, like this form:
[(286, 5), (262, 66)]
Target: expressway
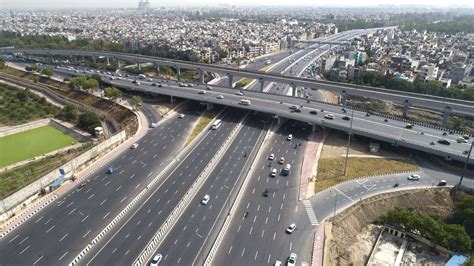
[(457, 107), (392, 131), (75, 218), (191, 237), (134, 231), (260, 238)]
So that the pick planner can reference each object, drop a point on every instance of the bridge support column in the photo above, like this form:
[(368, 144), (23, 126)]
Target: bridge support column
[(108, 61), (138, 66), (262, 84), (172, 100), (313, 127), (94, 59), (293, 89), (406, 107), (178, 73), (209, 106), (446, 114), (344, 98), (277, 118), (231, 80), (157, 70), (201, 77)]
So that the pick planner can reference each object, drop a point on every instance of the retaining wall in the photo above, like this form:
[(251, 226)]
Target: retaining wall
[(70, 167)]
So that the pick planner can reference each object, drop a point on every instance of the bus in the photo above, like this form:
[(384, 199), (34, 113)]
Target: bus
[(216, 124), (286, 170)]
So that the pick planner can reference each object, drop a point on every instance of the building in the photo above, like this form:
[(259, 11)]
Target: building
[(144, 4), (427, 72)]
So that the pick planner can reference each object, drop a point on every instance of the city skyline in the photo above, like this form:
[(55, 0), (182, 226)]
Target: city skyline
[(57, 4)]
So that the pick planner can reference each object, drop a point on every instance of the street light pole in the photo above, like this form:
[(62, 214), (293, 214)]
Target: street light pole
[(349, 141), (465, 164)]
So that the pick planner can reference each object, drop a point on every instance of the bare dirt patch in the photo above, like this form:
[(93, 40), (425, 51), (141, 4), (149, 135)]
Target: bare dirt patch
[(351, 234)]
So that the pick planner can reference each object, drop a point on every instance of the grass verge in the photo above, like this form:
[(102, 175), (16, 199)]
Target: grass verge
[(201, 124), (28, 144), (15, 179), (330, 170)]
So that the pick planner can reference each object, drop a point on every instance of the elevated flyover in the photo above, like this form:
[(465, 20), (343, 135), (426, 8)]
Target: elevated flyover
[(447, 106)]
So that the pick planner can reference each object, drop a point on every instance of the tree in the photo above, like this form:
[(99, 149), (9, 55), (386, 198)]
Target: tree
[(48, 71), (96, 77), (68, 113), (31, 68), (88, 121), (112, 93), (135, 101)]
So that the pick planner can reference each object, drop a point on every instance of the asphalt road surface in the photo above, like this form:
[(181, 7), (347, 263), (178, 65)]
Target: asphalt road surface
[(70, 222), (260, 238)]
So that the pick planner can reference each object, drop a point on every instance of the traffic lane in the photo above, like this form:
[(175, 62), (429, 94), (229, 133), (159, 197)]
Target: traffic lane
[(79, 208), (191, 234), (441, 172), (152, 213), (261, 62), (267, 217)]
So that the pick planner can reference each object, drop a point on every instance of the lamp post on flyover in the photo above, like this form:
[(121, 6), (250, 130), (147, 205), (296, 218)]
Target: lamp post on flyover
[(349, 141), (465, 164)]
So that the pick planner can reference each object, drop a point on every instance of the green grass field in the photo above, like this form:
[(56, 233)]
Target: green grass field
[(28, 144)]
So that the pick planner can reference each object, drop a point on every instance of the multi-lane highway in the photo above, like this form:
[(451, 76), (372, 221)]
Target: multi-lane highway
[(124, 245), (260, 238), (191, 238), (74, 219)]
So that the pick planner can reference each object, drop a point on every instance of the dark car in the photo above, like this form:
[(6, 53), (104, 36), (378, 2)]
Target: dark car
[(346, 118), (297, 110), (153, 84), (265, 193), (313, 112), (444, 142)]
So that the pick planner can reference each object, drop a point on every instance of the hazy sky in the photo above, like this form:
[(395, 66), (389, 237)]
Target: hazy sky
[(5, 4)]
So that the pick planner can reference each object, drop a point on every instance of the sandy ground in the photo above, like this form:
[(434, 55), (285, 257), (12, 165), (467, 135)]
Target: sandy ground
[(331, 97), (336, 143)]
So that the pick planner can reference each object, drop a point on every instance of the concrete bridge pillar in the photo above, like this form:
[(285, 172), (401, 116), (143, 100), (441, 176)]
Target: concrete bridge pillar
[(446, 113), (278, 119), (293, 89), (406, 107), (138, 65), (209, 106), (313, 127), (344, 97), (201, 76), (172, 100), (157, 69), (231, 80), (108, 61), (94, 59), (262, 84), (178, 73)]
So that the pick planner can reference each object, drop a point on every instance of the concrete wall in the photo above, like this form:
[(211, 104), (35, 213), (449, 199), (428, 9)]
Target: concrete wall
[(70, 167), (10, 130)]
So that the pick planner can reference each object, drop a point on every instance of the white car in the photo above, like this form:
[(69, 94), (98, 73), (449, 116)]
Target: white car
[(156, 260), (278, 263), (220, 97), (180, 115), (462, 140), (290, 137), (291, 260), (329, 116), (413, 177), (273, 173), (291, 228), (239, 93), (271, 157), (135, 145), (206, 199), (202, 92), (153, 125)]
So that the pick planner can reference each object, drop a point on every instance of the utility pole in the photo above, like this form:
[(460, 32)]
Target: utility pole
[(465, 164), (349, 141)]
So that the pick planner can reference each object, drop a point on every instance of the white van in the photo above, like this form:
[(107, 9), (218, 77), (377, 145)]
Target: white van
[(205, 200), (244, 102)]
